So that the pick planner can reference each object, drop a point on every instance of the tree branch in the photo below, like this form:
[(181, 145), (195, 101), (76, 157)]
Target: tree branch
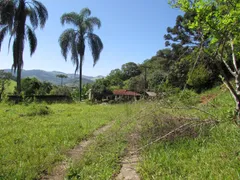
[(234, 57)]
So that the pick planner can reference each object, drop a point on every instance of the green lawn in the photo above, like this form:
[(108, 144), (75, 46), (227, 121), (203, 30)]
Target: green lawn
[(102, 159), (34, 137)]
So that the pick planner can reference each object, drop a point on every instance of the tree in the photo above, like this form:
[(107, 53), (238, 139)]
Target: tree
[(45, 88), (116, 78), (156, 79), (129, 70), (4, 80), (181, 33), (75, 39), (219, 20), (100, 89), (14, 15), (61, 76), (30, 86), (137, 84)]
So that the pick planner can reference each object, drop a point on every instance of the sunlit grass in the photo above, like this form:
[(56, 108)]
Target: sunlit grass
[(33, 140), (213, 154), (102, 159)]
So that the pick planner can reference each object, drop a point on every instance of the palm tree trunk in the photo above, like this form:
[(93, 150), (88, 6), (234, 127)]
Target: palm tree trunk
[(21, 20), (19, 69), (80, 78)]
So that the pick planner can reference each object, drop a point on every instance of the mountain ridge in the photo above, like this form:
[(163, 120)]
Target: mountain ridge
[(50, 76)]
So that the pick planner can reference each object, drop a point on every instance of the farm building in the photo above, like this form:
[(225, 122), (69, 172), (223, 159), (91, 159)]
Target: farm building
[(151, 95), (126, 95)]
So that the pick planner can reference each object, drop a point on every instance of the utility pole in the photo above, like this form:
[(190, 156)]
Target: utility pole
[(145, 77)]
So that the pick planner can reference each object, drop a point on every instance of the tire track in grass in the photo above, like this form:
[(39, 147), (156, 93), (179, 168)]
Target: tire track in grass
[(130, 161), (74, 155)]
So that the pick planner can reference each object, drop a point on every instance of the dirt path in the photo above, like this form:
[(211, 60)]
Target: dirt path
[(129, 162), (73, 155)]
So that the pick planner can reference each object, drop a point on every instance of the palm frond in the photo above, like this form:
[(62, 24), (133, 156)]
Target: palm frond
[(3, 33), (95, 45), (84, 13), (32, 40), (74, 52), (33, 17), (10, 40), (70, 18), (65, 41), (7, 12), (93, 21), (41, 11)]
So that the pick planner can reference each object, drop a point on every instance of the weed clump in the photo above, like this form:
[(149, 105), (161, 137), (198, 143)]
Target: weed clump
[(38, 110)]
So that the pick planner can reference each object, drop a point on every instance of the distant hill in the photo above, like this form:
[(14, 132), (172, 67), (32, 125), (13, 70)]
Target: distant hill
[(41, 75)]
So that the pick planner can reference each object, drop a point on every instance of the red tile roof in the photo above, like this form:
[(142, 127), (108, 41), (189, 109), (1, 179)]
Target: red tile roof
[(125, 93)]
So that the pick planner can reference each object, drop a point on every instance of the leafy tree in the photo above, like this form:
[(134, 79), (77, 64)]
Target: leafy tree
[(116, 78), (137, 84), (155, 79), (45, 88), (178, 73), (61, 76), (129, 70), (219, 20), (4, 80), (14, 16), (100, 89), (74, 39), (30, 86), (198, 77)]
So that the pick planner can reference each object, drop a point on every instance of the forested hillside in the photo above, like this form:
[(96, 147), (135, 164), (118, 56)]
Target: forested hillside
[(41, 75), (182, 64)]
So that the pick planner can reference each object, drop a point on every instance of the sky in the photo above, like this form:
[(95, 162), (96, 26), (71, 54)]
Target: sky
[(132, 31)]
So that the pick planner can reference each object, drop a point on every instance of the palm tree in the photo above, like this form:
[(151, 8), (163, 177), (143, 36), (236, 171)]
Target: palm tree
[(74, 39), (13, 17)]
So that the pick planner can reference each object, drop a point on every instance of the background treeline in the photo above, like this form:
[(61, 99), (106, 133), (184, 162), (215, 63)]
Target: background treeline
[(179, 65)]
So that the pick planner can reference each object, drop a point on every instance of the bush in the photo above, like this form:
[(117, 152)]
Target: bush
[(61, 91), (198, 78), (38, 110)]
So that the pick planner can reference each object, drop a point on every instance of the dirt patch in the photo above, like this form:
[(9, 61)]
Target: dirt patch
[(129, 162), (207, 98), (73, 155)]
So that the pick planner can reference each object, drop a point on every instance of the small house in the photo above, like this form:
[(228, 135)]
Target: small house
[(126, 95), (151, 95)]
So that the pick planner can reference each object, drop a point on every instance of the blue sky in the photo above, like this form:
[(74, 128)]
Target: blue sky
[(132, 31)]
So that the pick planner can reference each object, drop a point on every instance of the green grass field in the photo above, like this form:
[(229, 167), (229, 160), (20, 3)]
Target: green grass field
[(210, 152), (35, 137)]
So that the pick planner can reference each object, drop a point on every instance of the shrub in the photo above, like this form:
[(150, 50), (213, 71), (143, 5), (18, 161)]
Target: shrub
[(61, 91), (198, 78), (38, 110)]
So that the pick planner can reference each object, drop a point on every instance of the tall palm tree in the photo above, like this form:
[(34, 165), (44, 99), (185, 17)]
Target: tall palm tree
[(13, 17), (74, 39)]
